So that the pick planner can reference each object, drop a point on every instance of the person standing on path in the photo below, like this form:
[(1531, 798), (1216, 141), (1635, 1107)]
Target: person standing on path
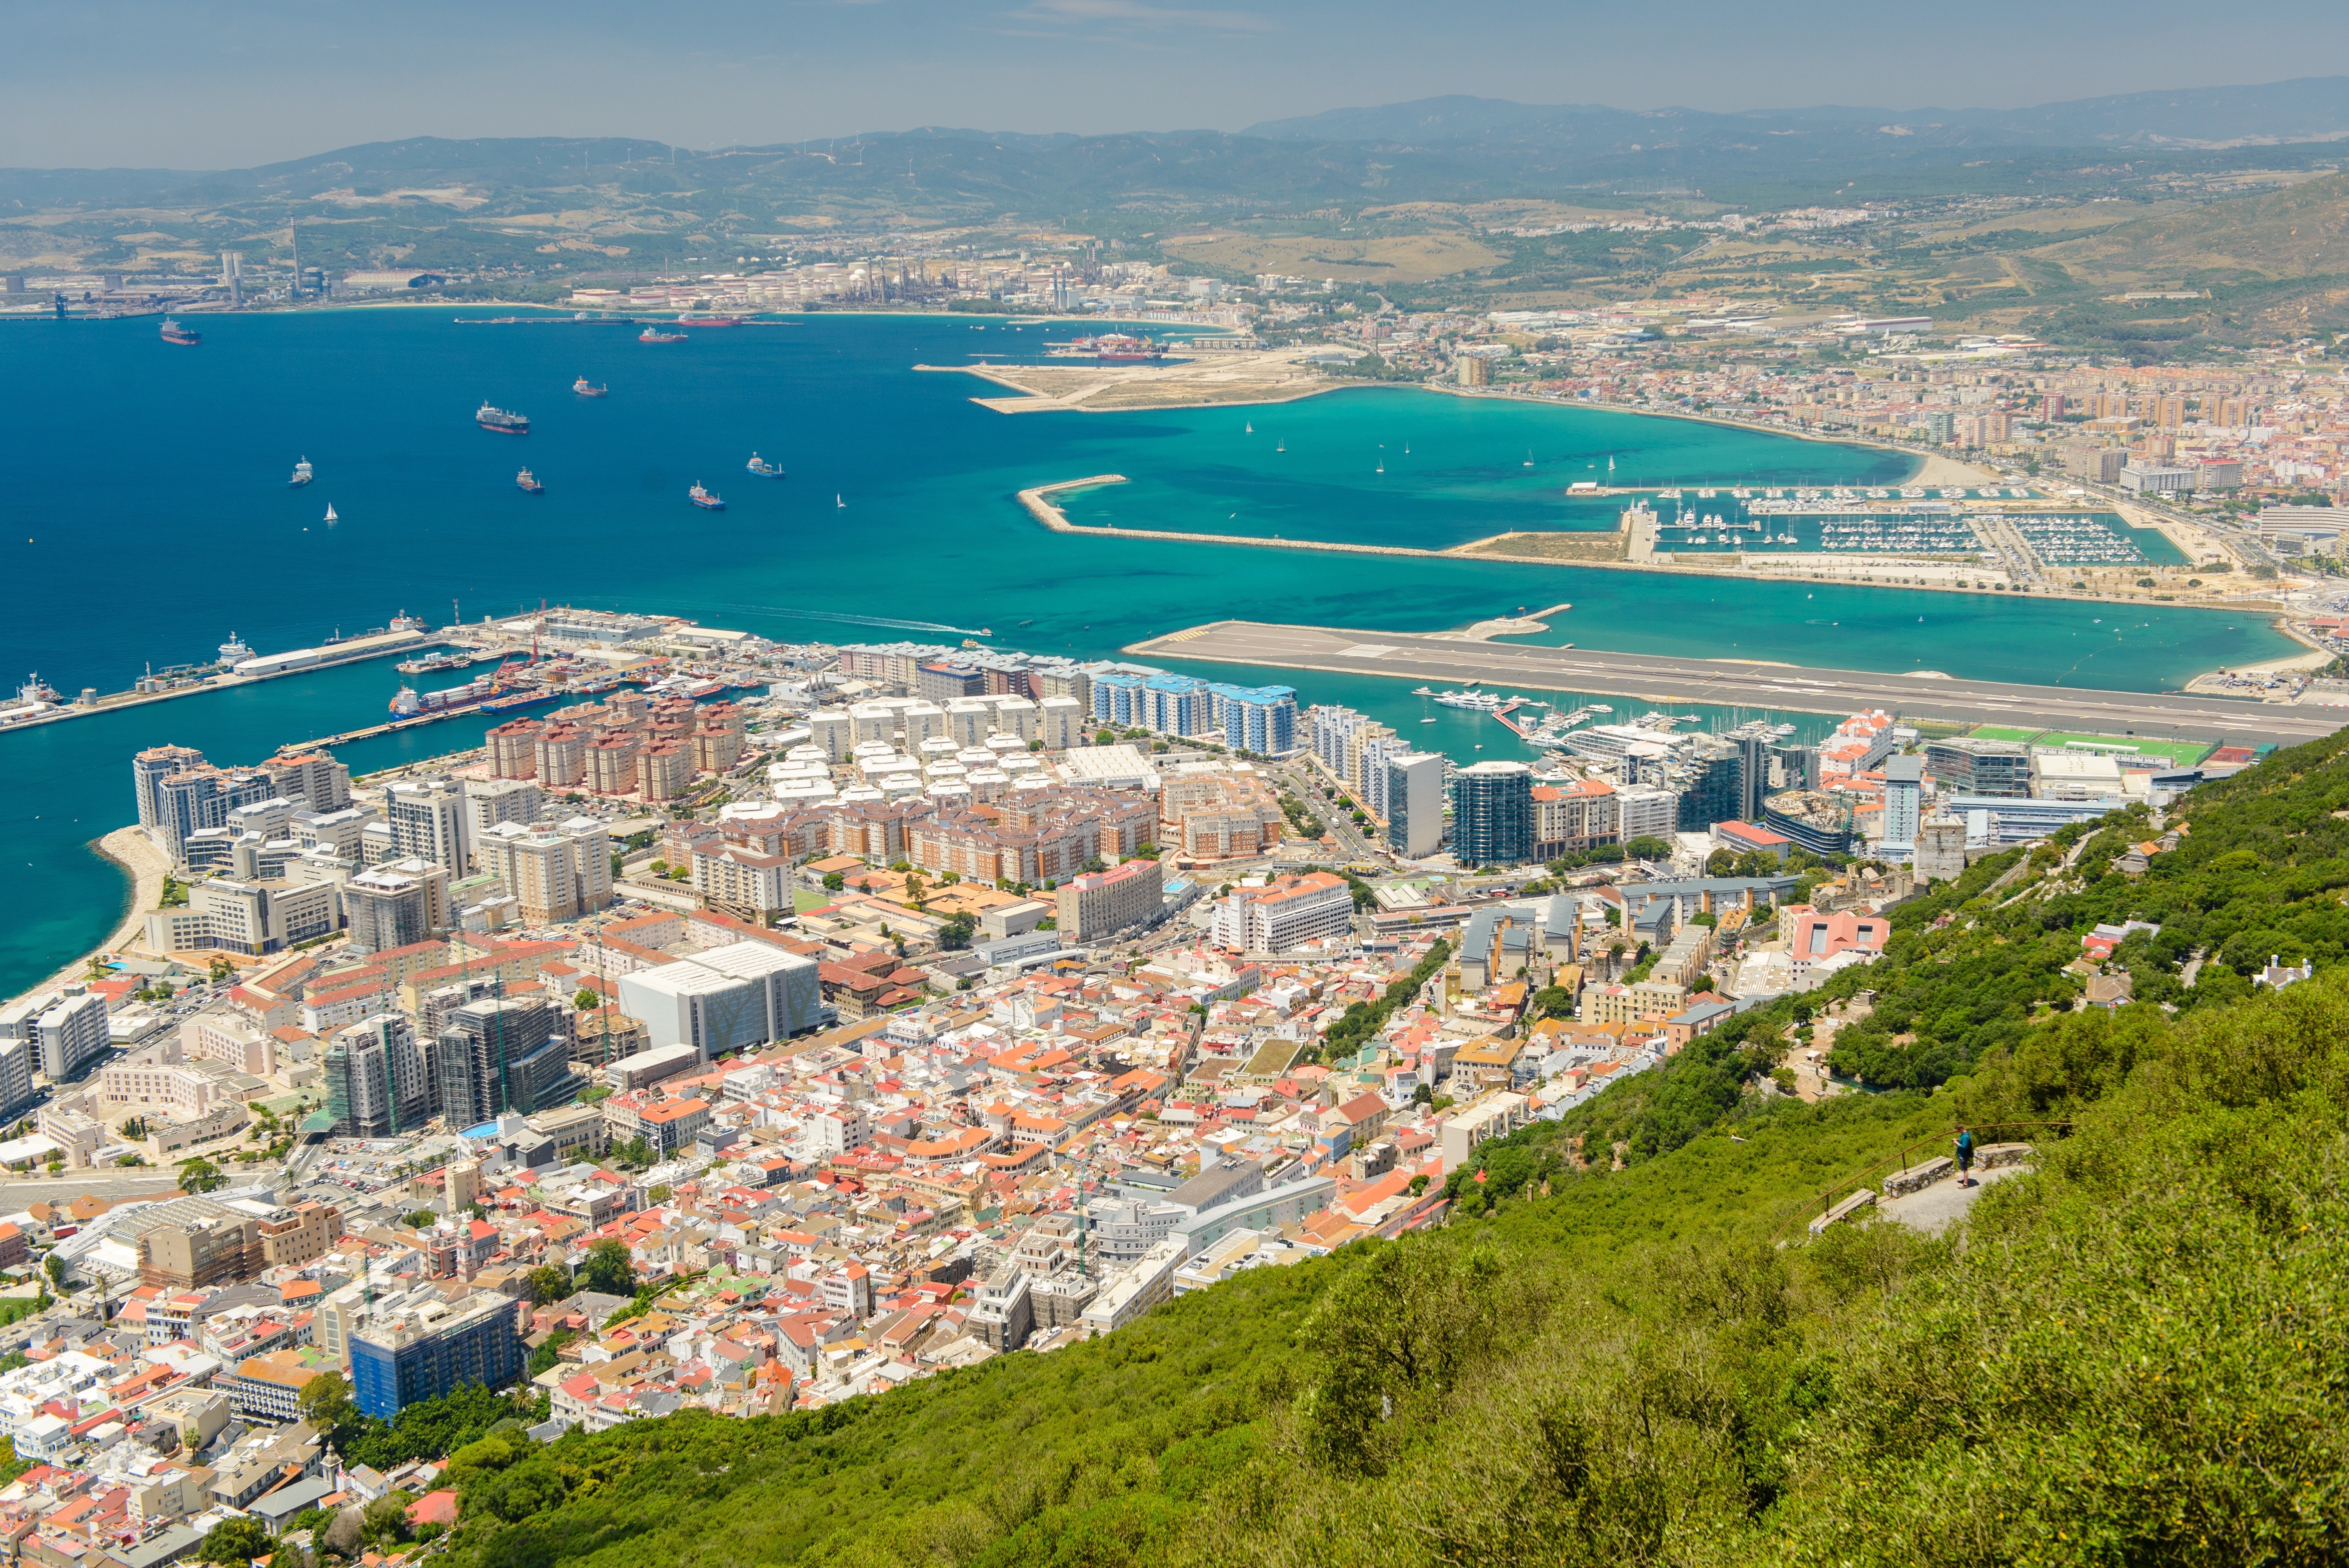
[(1965, 1158)]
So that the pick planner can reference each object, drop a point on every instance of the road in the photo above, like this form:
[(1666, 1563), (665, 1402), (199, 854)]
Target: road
[(1737, 683), (16, 1193)]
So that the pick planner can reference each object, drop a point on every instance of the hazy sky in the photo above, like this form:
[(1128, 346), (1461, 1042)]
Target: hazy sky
[(218, 83)]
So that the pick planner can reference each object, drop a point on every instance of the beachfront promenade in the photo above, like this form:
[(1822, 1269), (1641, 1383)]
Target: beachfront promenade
[(1737, 683)]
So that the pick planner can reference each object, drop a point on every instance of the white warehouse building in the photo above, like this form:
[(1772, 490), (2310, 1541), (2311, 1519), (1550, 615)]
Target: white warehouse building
[(746, 993)]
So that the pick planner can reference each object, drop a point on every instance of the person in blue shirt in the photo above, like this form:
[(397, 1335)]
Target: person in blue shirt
[(1966, 1158)]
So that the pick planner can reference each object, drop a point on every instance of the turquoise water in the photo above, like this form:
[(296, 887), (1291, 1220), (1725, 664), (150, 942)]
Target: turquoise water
[(146, 484)]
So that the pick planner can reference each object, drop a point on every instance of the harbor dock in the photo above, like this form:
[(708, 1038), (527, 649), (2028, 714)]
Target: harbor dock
[(275, 666)]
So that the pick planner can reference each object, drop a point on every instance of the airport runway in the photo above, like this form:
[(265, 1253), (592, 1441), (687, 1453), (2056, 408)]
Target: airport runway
[(1738, 683)]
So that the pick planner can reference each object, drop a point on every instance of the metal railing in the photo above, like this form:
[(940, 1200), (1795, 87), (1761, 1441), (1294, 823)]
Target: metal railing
[(1868, 1176)]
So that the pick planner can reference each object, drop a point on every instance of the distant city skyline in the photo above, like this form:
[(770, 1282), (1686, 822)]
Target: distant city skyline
[(136, 83)]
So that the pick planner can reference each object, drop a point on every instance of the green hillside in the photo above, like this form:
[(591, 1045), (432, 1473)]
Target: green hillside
[(2138, 1354)]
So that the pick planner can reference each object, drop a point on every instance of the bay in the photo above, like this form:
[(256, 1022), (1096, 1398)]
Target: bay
[(149, 519)]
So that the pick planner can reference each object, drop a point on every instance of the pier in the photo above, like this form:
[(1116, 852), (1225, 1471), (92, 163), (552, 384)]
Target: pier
[(330, 655), (1743, 683)]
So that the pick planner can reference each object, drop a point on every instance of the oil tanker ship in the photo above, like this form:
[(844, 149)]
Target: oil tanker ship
[(501, 422)]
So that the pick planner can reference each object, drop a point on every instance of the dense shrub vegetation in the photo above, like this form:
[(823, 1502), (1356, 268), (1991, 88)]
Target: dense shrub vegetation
[(2136, 1354)]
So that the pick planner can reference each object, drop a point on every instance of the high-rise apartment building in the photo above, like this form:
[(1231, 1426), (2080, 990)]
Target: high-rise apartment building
[(64, 1032), (1712, 790), (429, 822), (149, 768), (402, 1353), (384, 908), (490, 801), (1493, 814), (555, 871), (500, 1054), (313, 781), (1903, 805), (376, 1083), (1414, 798), (1964, 765)]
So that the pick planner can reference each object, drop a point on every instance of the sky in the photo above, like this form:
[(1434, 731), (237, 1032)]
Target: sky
[(213, 84)]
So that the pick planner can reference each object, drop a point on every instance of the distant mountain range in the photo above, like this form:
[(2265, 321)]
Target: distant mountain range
[(2312, 108), (526, 203)]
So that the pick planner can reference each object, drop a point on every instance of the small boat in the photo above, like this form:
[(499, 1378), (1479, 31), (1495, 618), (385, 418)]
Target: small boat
[(528, 483), (655, 334), (763, 469), (585, 390), (1429, 719), (330, 517), (704, 500), (301, 475), (185, 336)]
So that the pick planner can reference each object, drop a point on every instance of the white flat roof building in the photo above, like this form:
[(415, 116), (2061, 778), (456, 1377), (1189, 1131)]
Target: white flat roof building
[(745, 994)]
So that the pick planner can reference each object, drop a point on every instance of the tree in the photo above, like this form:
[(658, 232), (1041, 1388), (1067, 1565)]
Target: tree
[(609, 1269), (236, 1540), (549, 1285), (419, 1219), (200, 1175), (958, 931), (1648, 847), (587, 1000), (324, 1401), (551, 1352), (834, 881), (1106, 738), (344, 1535)]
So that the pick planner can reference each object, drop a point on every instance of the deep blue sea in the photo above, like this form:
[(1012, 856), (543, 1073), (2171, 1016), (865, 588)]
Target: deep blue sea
[(148, 518)]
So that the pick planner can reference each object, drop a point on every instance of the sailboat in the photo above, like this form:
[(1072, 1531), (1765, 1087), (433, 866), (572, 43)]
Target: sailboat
[(1382, 465), (1251, 429), (838, 503), (1529, 457), (330, 514), (1282, 445)]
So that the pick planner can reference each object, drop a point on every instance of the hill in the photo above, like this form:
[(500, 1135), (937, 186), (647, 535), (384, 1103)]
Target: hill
[(2136, 1352), (548, 206)]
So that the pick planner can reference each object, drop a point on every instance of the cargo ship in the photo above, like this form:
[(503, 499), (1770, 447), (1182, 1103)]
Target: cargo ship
[(529, 485), (655, 334), (763, 469), (704, 500), (501, 422), (186, 337), (585, 390), (1109, 348), (709, 321), (1116, 348), (301, 475), (521, 698), (412, 704), (432, 662)]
